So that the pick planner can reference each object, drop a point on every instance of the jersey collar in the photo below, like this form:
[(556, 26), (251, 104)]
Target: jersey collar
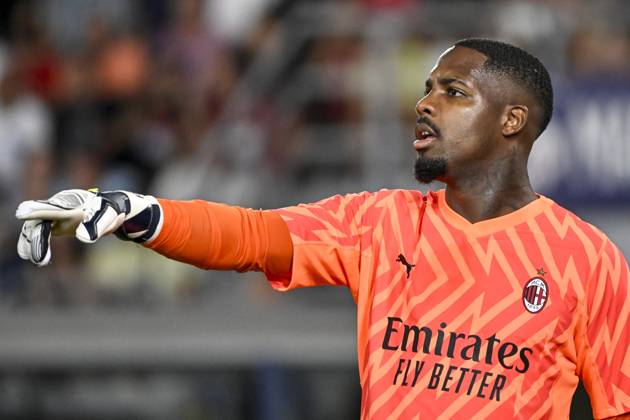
[(495, 224)]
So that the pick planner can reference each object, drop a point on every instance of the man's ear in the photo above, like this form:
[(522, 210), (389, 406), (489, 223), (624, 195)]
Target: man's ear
[(514, 119)]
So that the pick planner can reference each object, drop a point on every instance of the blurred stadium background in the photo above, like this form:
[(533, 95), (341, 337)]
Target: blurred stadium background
[(260, 103)]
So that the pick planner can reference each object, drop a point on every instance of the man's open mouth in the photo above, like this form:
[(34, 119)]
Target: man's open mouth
[(424, 136)]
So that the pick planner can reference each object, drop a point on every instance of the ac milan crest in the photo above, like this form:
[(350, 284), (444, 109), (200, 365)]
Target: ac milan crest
[(535, 295)]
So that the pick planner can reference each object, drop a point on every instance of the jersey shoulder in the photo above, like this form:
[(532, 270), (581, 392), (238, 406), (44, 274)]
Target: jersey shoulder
[(353, 209), (381, 198), (563, 219), (402, 196)]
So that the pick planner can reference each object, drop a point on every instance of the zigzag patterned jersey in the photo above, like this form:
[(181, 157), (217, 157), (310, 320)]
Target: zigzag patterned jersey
[(496, 319)]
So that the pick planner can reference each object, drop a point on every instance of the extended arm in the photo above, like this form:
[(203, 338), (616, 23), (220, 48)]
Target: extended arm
[(218, 236), (208, 235)]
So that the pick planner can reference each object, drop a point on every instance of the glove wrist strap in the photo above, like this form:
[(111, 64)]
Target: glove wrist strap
[(139, 226), (153, 214)]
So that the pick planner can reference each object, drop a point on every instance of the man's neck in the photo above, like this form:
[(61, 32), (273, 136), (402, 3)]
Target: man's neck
[(490, 192)]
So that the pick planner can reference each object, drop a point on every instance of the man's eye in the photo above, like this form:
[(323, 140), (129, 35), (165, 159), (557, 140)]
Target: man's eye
[(454, 92)]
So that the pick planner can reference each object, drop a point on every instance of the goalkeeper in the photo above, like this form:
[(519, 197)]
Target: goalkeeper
[(483, 300)]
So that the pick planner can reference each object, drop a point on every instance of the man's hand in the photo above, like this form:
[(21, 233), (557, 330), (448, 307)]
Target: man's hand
[(87, 215)]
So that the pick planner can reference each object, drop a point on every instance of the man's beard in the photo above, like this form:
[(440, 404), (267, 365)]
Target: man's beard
[(427, 170)]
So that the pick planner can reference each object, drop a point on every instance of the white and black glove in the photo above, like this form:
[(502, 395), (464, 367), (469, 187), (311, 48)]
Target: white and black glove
[(89, 215)]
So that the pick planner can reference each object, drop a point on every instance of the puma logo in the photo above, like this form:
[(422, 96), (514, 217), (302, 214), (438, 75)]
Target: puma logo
[(401, 259)]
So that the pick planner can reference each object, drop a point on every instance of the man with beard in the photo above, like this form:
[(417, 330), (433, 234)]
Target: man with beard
[(482, 300)]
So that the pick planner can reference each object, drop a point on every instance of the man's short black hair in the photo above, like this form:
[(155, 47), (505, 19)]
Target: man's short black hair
[(521, 67)]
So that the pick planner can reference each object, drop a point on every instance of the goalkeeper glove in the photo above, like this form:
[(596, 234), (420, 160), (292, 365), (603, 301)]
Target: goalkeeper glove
[(89, 216)]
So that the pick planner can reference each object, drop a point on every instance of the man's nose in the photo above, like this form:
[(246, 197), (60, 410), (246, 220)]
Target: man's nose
[(425, 107)]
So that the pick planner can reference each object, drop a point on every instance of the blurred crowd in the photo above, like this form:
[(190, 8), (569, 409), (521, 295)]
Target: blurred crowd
[(260, 103), (257, 103)]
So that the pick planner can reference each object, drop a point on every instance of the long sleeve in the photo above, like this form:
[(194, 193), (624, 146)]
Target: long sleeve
[(217, 236)]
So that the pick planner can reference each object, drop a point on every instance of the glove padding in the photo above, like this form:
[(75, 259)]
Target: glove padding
[(87, 215)]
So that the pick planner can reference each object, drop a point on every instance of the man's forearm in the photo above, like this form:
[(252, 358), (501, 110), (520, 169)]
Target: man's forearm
[(217, 236)]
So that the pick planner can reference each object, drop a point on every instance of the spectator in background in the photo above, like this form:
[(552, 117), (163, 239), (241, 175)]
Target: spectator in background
[(193, 51), (120, 67), (25, 136), (25, 133)]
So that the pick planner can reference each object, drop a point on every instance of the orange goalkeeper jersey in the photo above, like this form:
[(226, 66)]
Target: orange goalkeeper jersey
[(497, 319)]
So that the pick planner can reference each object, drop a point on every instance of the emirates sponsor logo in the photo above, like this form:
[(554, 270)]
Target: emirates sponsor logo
[(456, 375), (535, 295)]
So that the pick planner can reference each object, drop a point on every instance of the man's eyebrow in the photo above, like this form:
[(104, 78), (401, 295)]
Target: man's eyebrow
[(450, 79), (446, 80)]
